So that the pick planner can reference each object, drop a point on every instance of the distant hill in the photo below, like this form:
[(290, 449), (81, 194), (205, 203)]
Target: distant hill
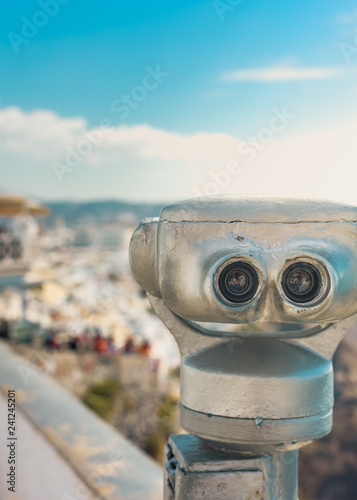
[(99, 211)]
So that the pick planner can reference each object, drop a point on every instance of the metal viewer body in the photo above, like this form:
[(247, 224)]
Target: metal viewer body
[(250, 396)]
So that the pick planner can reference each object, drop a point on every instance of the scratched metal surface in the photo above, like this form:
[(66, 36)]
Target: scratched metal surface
[(180, 257), (112, 467), (252, 391), (224, 208)]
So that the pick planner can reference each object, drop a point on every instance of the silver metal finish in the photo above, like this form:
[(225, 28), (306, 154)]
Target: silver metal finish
[(255, 394), (272, 370), (145, 269), (194, 470), (255, 391)]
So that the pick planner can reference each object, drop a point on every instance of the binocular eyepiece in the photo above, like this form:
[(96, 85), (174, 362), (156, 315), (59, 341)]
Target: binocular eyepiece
[(238, 282), (250, 260)]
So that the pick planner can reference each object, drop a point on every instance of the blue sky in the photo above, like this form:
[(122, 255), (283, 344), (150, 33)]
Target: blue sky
[(228, 65)]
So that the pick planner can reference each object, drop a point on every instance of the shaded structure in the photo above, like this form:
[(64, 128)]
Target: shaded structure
[(18, 237)]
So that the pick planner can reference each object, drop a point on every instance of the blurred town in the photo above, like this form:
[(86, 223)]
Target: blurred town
[(69, 304)]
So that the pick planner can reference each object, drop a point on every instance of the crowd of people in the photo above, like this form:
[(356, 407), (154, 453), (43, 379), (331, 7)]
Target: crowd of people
[(95, 342)]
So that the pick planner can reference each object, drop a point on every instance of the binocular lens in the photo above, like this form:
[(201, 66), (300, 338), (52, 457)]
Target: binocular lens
[(238, 282), (301, 282)]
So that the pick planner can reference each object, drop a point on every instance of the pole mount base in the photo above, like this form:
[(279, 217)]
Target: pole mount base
[(194, 470), (256, 435)]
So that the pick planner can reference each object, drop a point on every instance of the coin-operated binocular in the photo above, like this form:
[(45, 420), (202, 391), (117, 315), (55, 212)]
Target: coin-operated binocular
[(250, 398)]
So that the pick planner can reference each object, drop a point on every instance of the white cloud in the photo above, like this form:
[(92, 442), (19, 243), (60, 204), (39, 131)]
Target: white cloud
[(318, 165), (151, 143), (144, 163), (126, 161), (43, 135), (282, 74), (40, 133)]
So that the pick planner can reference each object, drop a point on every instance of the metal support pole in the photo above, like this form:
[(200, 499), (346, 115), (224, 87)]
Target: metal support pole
[(195, 471)]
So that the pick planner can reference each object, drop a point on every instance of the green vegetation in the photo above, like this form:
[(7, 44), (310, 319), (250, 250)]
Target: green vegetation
[(167, 410), (100, 397)]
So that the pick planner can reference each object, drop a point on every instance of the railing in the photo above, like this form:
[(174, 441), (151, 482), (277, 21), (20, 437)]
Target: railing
[(63, 450)]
